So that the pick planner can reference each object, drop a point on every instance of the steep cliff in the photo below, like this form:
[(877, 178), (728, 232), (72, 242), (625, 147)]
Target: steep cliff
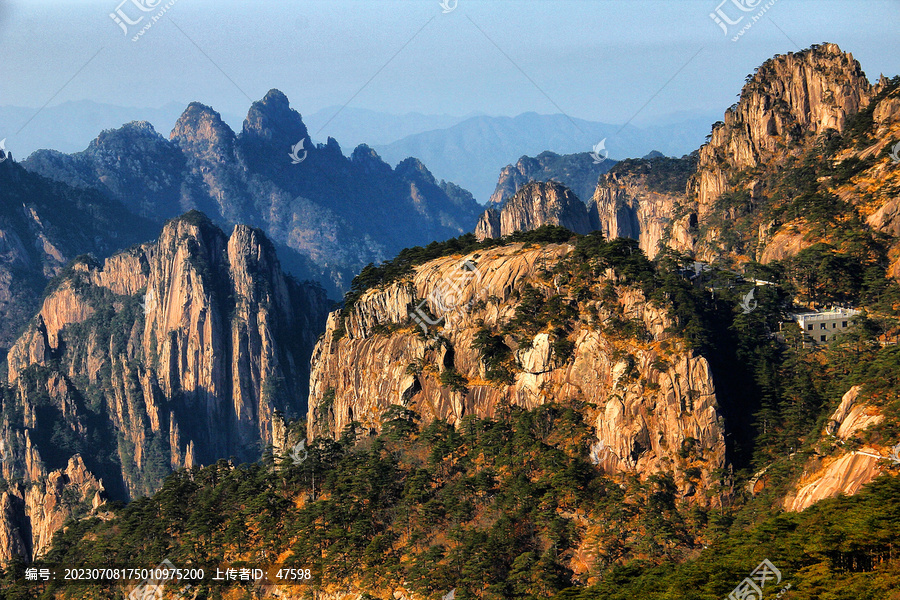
[(43, 225), (523, 327), (787, 102), (331, 215), (836, 469), (640, 199), (578, 172), (802, 158), (535, 204), (168, 355)]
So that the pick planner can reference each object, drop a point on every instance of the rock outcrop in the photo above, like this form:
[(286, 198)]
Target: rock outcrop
[(641, 199), (535, 204), (331, 215), (654, 403), (578, 172), (788, 100), (168, 355), (43, 225), (848, 471)]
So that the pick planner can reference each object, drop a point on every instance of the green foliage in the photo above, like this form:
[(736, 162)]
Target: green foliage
[(454, 380), (662, 174), (497, 357), (839, 548)]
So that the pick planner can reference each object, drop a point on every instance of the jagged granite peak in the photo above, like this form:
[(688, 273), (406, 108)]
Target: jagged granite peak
[(272, 119), (413, 169), (331, 215), (132, 164), (790, 98), (374, 356), (639, 199), (537, 203), (171, 354), (201, 132), (577, 171)]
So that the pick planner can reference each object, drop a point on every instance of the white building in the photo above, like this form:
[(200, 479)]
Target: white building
[(825, 326)]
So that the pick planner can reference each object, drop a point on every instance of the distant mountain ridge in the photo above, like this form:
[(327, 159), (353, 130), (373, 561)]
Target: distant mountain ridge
[(331, 214), (472, 152)]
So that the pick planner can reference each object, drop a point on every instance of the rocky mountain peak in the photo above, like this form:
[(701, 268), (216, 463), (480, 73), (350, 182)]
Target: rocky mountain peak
[(168, 355), (579, 172), (537, 203), (789, 99), (200, 130), (414, 169), (272, 119)]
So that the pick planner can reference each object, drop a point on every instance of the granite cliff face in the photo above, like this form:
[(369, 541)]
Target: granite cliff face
[(168, 355), (43, 225), (830, 473), (535, 204), (806, 146), (789, 100), (578, 172), (640, 199), (329, 214), (653, 403)]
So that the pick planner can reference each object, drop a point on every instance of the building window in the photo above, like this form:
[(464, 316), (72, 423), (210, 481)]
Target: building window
[(843, 323), (809, 327), (822, 325), (834, 325), (823, 338)]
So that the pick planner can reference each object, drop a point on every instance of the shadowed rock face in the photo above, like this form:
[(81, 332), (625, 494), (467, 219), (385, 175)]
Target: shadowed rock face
[(172, 354), (578, 172), (330, 214), (43, 225), (535, 204), (648, 396)]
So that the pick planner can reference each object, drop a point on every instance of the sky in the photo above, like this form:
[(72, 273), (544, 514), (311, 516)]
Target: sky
[(613, 61)]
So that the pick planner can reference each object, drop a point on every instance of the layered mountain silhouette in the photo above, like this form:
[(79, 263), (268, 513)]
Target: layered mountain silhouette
[(43, 225), (471, 153), (334, 214)]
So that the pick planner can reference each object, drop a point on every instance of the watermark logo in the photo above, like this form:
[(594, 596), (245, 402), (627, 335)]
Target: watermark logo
[(299, 447), (446, 297), (600, 153), (749, 303), (596, 451), (894, 456), (895, 152), (148, 304), (3, 153), (130, 13), (451, 595), (296, 159), (739, 9), (152, 587), (751, 588), (448, 5)]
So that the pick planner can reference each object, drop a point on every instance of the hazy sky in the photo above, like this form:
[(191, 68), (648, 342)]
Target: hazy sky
[(594, 59)]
